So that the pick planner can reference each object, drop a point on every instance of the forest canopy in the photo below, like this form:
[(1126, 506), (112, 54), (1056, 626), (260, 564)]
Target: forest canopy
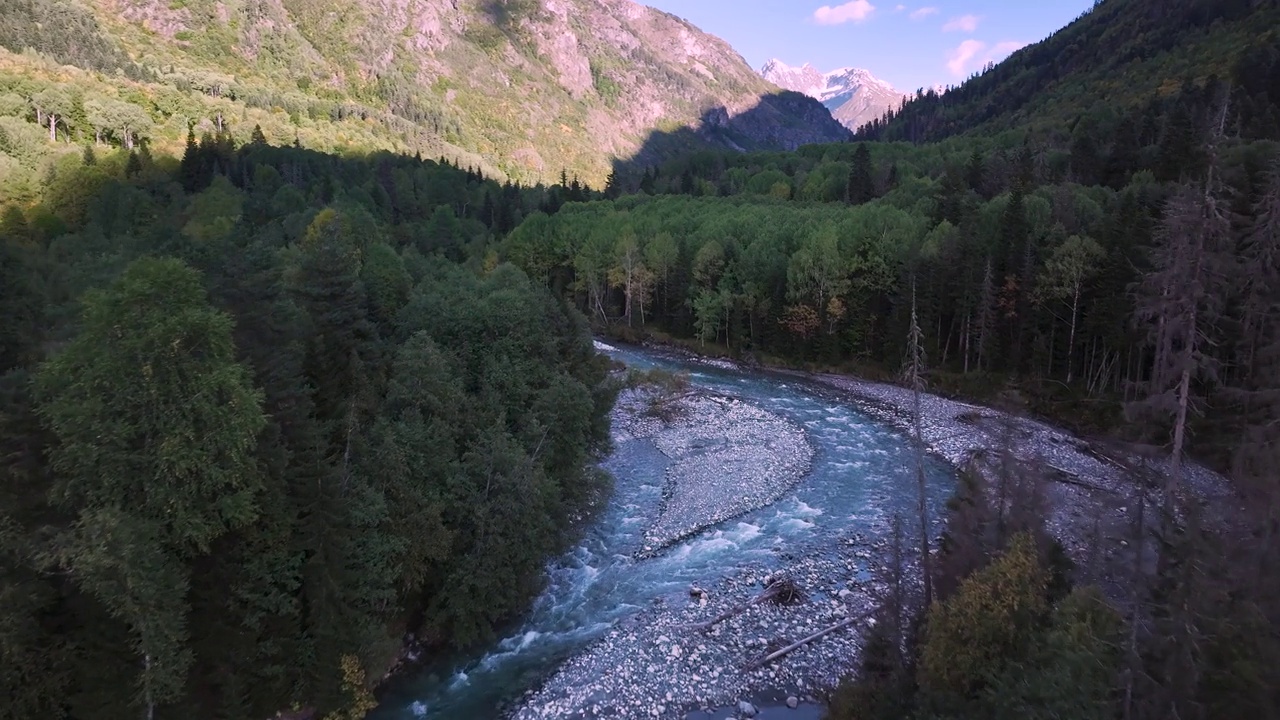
[(266, 413)]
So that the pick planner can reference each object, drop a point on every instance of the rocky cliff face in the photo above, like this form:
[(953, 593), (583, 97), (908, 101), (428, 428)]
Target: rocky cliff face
[(853, 95), (528, 86)]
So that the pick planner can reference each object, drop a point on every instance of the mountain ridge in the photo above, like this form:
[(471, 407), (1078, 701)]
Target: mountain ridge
[(520, 89), (855, 96), (1132, 52)]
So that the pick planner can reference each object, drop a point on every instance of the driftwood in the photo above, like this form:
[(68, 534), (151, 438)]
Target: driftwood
[(780, 591), (797, 645)]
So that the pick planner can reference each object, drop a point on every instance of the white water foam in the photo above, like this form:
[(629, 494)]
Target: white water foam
[(743, 533), (796, 525)]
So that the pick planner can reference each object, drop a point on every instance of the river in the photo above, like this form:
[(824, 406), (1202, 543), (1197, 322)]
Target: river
[(861, 476)]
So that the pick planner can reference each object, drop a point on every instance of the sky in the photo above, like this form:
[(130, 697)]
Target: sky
[(907, 44)]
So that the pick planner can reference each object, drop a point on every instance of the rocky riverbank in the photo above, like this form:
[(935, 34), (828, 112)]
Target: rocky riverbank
[(1093, 487), (657, 666)]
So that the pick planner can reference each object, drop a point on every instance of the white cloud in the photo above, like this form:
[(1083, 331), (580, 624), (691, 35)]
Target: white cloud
[(923, 13), (973, 55), (1004, 49), (959, 59), (856, 11), (964, 23), (899, 8)]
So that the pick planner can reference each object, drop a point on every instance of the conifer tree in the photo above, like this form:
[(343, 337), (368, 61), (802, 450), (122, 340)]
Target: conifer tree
[(862, 186), (913, 376)]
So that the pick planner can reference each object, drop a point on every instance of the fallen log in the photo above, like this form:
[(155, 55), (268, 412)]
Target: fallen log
[(780, 591), (797, 645)]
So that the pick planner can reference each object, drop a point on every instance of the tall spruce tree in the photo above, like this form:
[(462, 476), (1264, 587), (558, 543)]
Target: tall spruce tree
[(862, 183)]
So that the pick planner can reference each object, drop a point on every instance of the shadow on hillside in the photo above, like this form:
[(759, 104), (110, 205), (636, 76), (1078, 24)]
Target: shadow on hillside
[(779, 121)]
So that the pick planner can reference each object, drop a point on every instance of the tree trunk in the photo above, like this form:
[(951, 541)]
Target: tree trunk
[(915, 372), (946, 348), (797, 645), (53, 128), (627, 291), (1136, 587), (1179, 434), (1071, 339), (151, 703), (1053, 344)]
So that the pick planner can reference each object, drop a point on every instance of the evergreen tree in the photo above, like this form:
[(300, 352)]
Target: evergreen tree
[(861, 188)]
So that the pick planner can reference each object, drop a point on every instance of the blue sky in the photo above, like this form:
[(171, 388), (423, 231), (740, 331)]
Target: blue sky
[(909, 44)]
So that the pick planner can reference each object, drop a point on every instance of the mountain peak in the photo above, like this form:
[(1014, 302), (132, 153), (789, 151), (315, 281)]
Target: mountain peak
[(774, 65), (853, 95)]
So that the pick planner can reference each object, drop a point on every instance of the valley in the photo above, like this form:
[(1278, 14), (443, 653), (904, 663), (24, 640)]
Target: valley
[(539, 358)]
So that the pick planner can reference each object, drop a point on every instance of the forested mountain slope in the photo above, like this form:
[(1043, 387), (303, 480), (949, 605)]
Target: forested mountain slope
[(517, 88), (1119, 56)]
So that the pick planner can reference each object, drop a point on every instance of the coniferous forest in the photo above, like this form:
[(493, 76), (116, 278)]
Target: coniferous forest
[(262, 417), (267, 412)]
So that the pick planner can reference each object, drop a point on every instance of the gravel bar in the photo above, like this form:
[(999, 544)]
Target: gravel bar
[(728, 458)]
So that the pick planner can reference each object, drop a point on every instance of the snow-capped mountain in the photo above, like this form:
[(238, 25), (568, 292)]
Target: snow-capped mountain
[(853, 95)]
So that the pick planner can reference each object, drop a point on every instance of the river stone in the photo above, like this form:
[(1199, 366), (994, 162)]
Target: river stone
[(793, 702), (746, 708)]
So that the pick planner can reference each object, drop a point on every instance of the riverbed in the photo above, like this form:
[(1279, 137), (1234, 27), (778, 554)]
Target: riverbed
[(609, 637), (606, 589)]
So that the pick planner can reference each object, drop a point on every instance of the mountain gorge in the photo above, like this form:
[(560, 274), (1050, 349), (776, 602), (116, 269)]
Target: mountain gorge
[(518, 88), (854, 96)]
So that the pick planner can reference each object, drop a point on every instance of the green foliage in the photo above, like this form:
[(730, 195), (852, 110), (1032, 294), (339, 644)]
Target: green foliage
[(1072, 671), (156, 424), (151, 409), (253, 465), (990, 621)]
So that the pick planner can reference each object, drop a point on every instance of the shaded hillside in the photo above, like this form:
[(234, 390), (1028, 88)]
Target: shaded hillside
[(785, 120), (1121, 54), (519, 88)]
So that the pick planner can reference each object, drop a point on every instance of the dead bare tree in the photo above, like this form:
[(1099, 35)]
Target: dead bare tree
[(760, 662), (1180, 301), (914, 378)]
